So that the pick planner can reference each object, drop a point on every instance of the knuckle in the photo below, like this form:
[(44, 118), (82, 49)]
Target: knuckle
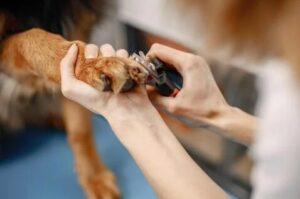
[(155, 46), (193, 61), (190, 59)]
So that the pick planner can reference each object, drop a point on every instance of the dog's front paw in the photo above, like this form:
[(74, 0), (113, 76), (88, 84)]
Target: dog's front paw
[(111, 73), (100, 186)]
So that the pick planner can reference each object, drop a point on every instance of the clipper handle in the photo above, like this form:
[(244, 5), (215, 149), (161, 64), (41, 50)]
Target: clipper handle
[(170, 80)]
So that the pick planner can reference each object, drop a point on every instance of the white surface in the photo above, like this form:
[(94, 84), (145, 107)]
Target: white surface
[(160, 17), (109, 30)]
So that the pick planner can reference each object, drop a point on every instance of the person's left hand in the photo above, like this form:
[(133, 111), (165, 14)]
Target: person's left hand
[(119, 109)]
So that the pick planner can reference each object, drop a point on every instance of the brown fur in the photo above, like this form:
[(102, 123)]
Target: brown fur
[(31, 61), (39, 52)]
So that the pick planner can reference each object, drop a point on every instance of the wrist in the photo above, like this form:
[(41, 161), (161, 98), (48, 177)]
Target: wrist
[(137, 126), (237, 124), (139, 136)]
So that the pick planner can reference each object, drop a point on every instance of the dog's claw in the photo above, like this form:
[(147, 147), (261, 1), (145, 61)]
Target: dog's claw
[(107, 82), (129, 84)]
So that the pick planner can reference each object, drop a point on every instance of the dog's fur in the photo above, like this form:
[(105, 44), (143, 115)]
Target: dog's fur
[(30, 53)]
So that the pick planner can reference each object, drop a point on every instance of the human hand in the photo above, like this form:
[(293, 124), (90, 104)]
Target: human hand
[(121, 110), (200, 97)]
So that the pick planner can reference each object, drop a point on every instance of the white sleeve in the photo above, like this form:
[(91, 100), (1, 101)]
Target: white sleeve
[(276, 151)]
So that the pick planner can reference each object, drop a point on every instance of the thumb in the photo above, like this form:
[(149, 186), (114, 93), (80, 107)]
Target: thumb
[(67, 63), (168, 55), (166, 103)]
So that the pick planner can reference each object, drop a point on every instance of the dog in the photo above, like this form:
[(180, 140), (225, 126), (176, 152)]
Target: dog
[(34, 37)]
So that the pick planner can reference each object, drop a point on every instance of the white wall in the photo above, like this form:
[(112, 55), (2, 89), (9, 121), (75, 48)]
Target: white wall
[(161, 17), (109, 30)]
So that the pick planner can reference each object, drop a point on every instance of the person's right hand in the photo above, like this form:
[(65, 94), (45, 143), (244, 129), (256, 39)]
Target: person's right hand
[(200, 97)]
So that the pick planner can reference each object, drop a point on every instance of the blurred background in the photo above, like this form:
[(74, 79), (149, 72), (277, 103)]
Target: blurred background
[(39, 165)]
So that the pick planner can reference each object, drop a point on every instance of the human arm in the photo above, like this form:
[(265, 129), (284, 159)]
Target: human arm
[(139, 127), (200, 99)]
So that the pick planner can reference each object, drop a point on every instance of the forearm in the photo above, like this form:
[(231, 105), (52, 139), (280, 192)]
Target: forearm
[(166, 165), (237, 124)]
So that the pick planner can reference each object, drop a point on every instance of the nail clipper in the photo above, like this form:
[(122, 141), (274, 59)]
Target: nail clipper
[(166, 80)]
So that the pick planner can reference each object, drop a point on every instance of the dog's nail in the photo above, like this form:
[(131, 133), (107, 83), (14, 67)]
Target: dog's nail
[(129, 84), (107, 82)]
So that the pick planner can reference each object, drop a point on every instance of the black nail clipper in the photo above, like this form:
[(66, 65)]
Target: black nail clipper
[(166, 80)]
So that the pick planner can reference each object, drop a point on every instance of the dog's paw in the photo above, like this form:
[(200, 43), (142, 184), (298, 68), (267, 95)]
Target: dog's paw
[(136, 71), (100, 186), (111, 73)]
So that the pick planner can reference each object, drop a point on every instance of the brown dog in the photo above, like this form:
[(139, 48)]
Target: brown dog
[(30, 82)]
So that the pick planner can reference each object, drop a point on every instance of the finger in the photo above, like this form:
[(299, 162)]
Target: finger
[(162, 102), (91, 51), (140, 89), (83, 94), (73, 88), (107, 50), (122, 53), (169, 55), (150, 89), (68, 62), (67, 68), (68, 79)]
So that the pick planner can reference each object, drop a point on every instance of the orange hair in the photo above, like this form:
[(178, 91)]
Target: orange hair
[(257, 27)]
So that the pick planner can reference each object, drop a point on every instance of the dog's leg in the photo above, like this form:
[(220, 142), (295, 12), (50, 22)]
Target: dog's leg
[(96, 180), (38, 53)]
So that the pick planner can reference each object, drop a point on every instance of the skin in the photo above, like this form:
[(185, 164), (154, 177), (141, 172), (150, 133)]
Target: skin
[(138, 125), (200, 99)]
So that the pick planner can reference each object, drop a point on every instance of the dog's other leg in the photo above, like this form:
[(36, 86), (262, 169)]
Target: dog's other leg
[(96, 180), (36, 55)]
